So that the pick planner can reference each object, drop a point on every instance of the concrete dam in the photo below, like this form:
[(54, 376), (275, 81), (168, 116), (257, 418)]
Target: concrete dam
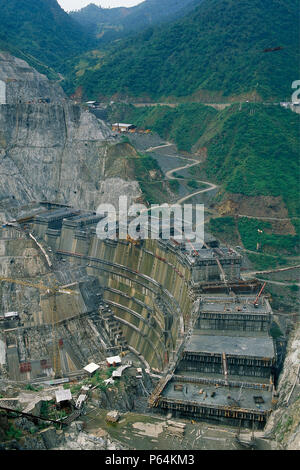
[(189, 318), (194, 338), (148, 286)]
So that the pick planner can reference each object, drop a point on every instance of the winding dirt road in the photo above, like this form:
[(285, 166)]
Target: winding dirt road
[(194, 162), (211, 187), (270, 271), (169, 176)]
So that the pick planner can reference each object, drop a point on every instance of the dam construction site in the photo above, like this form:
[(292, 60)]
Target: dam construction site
[(197, 335), (123, 343)]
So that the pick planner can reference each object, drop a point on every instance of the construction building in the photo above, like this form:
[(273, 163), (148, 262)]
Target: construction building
[(226, 368), (121, 127)]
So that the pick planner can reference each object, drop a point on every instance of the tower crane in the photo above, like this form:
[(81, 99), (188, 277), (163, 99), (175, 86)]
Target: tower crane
[(40, 286), (255, 303)]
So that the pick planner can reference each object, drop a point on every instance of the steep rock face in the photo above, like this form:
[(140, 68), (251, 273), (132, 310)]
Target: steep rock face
[(57, 153), (52, 150), (50, 438), (111, 189), (284, 423), (21, 83)]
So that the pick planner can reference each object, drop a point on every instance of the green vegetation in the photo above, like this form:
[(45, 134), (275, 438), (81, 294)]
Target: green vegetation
[(96, 380), (154, 190), (283, 427), (144, 169), (175, 60), (110, 371), (294, 288), (214, 51), (32, 388), (109, 24), (125, 139), (144, 164), (42, 31), (50, 411), (193, 184), (44, 412), (255, 152), (222, 225), (268, 242), (245, 229), (174, 185), (251, 150), (13, 433), (272, 246), (275, 331), (177, 175), (75, 389), (225, 229), (36, 64), (184, 124), (261, 261)]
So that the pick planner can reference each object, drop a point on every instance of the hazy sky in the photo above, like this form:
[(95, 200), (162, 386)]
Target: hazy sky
[(70, 5)]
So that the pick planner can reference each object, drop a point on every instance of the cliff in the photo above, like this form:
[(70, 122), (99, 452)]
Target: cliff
[(284, 423), (54, 150), (22, 83)]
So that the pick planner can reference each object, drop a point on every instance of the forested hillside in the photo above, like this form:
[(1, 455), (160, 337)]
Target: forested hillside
[(251, 150), (42, 30), (256, 152), (111, 23), (217, 49), (183, 125)]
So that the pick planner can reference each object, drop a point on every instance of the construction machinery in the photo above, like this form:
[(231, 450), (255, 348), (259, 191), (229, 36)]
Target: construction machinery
[(194, 252), (133, 241), (39, 286), (255, 303)]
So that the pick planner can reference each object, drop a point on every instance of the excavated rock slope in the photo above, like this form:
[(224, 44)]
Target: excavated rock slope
[(284, 423), (24, 84), (54, 151)]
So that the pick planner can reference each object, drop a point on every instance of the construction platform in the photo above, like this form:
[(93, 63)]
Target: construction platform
[(241, 405), (231, 345), (225, 372), (216, 395)]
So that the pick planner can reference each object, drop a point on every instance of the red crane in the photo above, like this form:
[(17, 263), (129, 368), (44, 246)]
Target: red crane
[(258, 296)]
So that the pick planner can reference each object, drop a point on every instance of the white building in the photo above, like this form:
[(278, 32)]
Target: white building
[(113, 361), (122, 127), (63, 395), (91, 368)]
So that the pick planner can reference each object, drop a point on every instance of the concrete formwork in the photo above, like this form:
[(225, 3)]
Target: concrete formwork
[(151, 289), (218, 313)]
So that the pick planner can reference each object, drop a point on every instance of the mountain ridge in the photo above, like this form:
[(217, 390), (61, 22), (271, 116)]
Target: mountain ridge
[(219, 46), (43, 30), (112, 23)]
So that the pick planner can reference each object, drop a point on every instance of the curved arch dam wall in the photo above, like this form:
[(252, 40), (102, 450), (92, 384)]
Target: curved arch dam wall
[(147, 288)]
